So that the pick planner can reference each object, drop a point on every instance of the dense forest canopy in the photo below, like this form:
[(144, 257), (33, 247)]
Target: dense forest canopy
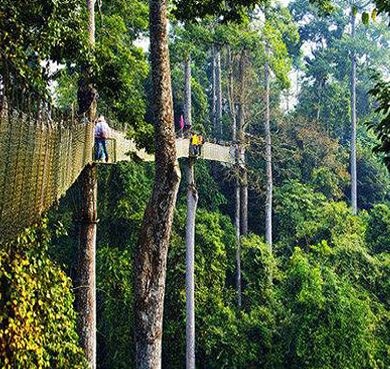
[(287, 274)]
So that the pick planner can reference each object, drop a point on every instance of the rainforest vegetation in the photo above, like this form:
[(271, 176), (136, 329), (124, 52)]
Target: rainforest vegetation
[(279, 80)]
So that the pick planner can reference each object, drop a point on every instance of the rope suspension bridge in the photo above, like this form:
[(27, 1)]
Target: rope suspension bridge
[(41, 157), (43, 152)]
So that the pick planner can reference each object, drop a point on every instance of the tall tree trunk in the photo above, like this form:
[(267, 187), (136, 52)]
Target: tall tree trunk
[(231, 99), (242, 140), (237, 216), (86, 292), (154, 237), (268, 161), (187, 95), (214, 95), (238, 237), (192, 201), (353, 124), (218, 75)]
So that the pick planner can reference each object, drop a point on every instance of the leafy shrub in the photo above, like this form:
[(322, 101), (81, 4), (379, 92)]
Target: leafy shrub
[(37, 318)]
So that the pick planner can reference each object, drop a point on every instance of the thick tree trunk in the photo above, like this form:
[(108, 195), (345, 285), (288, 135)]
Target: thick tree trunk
[(154, 237), (86, 289), (268, 161), (187, 95), (241, 125), (353, 124), (192, 201), (218, 75)]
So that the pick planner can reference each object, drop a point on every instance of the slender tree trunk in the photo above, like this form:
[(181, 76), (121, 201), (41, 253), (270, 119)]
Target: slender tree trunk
[(86, 292), (192, 201), (237, 217), (218, 75), (154, 237), (231, 99), (353, 124), (241, 124), (214, 96), (268, 161), (238, 240), (244, 198), (187, 95)]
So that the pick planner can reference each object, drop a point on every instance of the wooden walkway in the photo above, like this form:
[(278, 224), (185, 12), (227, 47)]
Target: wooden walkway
[(210, 151)]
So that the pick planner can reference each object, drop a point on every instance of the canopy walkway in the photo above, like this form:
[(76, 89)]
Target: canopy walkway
[(40, 159), (210, 151)]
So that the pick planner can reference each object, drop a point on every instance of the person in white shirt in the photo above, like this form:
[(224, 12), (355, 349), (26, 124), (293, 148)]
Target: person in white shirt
[(102, 132)]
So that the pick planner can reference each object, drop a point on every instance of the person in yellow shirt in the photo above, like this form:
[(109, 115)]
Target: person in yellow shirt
[(194, 144)]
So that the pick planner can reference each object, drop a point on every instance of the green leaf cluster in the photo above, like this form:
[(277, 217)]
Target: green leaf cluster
[(37, 317)]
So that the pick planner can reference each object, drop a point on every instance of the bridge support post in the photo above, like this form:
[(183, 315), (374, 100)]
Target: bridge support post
[(192, 202), (86, 296)]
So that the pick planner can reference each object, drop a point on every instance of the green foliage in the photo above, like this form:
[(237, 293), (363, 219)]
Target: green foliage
[(43, 31), (324, 315), (115, 306), (37, 318), (378, 229), (259, 270), (122, 67), (374, 185), (381, 91), (332, 221), (294, 205), (230, 10)]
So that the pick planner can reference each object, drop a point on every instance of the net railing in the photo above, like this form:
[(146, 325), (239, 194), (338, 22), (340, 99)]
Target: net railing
[(39, 160)]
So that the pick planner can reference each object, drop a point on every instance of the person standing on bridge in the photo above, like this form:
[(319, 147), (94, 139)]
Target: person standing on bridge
[(102, 133), (194, 144)]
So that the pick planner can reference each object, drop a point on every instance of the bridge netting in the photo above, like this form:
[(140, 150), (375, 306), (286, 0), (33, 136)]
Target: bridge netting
[(39, 160)]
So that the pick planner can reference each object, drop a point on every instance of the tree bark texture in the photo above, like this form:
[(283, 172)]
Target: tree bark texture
[(192, 201), (353, 124), (86, 288), (268, 160), (154, 237), (91, 21), (218, 75), (241, 126), (187, 95)]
